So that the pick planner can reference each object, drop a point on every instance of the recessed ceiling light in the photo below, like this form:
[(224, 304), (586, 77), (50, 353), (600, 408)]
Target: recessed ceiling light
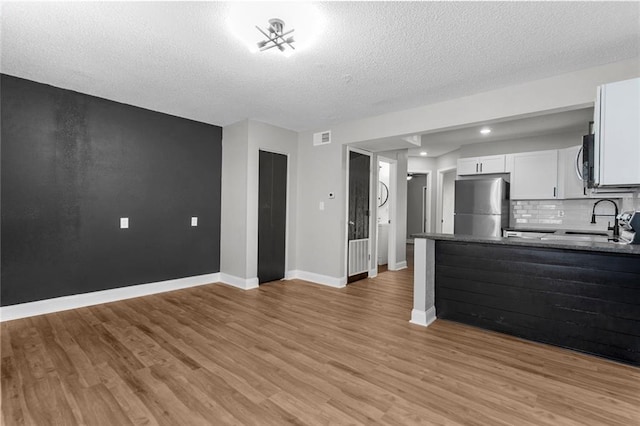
[(485, 130), (423, 153), (243, 18)]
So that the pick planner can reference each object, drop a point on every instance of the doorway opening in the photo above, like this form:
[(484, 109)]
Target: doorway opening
[(385, 214), (446, 200), (418, 204)]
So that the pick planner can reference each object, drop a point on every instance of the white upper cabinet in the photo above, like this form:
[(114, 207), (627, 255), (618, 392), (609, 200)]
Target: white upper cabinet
[(534, 175), (617, 133), (467, 166), (481, 165), (570, 184)]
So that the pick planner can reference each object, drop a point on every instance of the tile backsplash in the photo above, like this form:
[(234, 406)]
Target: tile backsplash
[(566, 214)]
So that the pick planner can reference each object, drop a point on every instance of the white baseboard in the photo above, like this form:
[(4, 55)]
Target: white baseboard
[(373, 272), (291, 275), (243, 283), (317, 278), (423, 318), (75, 301), (398, 266)]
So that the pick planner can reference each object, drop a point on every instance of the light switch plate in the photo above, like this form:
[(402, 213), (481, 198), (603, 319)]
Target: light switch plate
[(194, 221), (124, 222), (321, 205)]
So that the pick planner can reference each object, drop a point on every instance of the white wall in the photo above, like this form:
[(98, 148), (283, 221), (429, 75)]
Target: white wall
[(420, 164), (239, 228), (233, 230), (528, 144), (563, 92), (321, 234)]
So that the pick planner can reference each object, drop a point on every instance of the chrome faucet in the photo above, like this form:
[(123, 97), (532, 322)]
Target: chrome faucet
[(616, 228)]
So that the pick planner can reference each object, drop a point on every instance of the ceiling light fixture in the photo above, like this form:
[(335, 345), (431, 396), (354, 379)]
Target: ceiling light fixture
[(485, 131), (244, 17), (423, 153), (275, 37)]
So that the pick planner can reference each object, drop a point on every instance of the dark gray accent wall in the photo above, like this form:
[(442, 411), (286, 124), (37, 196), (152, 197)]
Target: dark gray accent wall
[(73, 164)]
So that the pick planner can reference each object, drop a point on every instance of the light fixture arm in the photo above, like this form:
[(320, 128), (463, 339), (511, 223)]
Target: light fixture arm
[(275, 38)]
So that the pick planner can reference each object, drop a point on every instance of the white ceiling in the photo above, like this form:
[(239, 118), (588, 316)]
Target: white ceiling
[(375, 57), (438, 143), (576, 121)]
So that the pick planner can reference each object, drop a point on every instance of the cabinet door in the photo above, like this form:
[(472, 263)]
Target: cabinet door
[(619, 133), (491, 164), (570, 184), (535, 175), (468, 166)]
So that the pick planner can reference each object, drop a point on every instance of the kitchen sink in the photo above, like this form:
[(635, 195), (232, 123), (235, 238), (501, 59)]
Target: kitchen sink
[(602, 234), (580, 237), (566, 235)]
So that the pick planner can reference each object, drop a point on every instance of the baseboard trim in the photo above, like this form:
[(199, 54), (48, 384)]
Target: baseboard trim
[(423, 318), (317, 278), (242, 283), (398, 266), (65, 303)]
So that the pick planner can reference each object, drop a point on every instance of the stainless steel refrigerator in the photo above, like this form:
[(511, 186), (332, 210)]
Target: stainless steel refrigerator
[(481, 207)]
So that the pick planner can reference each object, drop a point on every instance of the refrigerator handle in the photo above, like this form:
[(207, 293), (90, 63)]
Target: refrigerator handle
[(476, 167)]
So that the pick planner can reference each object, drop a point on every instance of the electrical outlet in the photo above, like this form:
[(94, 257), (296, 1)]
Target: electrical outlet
[(194, 221), (124, 222)]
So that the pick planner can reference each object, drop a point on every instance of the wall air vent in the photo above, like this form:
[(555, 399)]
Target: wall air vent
[(322, 138)]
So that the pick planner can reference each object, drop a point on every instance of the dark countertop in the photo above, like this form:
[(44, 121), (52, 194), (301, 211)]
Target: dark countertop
[(632, 249)]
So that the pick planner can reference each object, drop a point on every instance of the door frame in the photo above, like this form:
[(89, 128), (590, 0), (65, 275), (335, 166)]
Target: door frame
[(287, 205), (427, 198), (426, 205), (373, 237), (440, 176), (428, 216)]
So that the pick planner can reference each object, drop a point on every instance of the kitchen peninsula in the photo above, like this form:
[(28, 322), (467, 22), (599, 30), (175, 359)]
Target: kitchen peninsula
[(579, 295)]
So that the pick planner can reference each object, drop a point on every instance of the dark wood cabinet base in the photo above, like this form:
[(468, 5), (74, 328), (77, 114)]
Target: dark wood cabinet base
[(584, 301)]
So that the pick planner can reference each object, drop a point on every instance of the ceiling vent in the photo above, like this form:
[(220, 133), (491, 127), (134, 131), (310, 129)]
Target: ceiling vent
[(322, 138)]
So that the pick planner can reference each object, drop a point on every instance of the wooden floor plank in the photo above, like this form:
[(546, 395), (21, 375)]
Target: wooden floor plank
[(293, 352)]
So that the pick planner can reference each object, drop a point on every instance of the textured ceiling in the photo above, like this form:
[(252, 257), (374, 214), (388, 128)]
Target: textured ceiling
[(442, 142), (374, 57), (576, 121)]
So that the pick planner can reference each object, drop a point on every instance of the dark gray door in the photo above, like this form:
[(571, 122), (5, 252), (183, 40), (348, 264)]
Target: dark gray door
[(272, 216)]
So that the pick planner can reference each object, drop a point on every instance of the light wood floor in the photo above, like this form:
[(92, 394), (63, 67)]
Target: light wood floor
[(292, 352)]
